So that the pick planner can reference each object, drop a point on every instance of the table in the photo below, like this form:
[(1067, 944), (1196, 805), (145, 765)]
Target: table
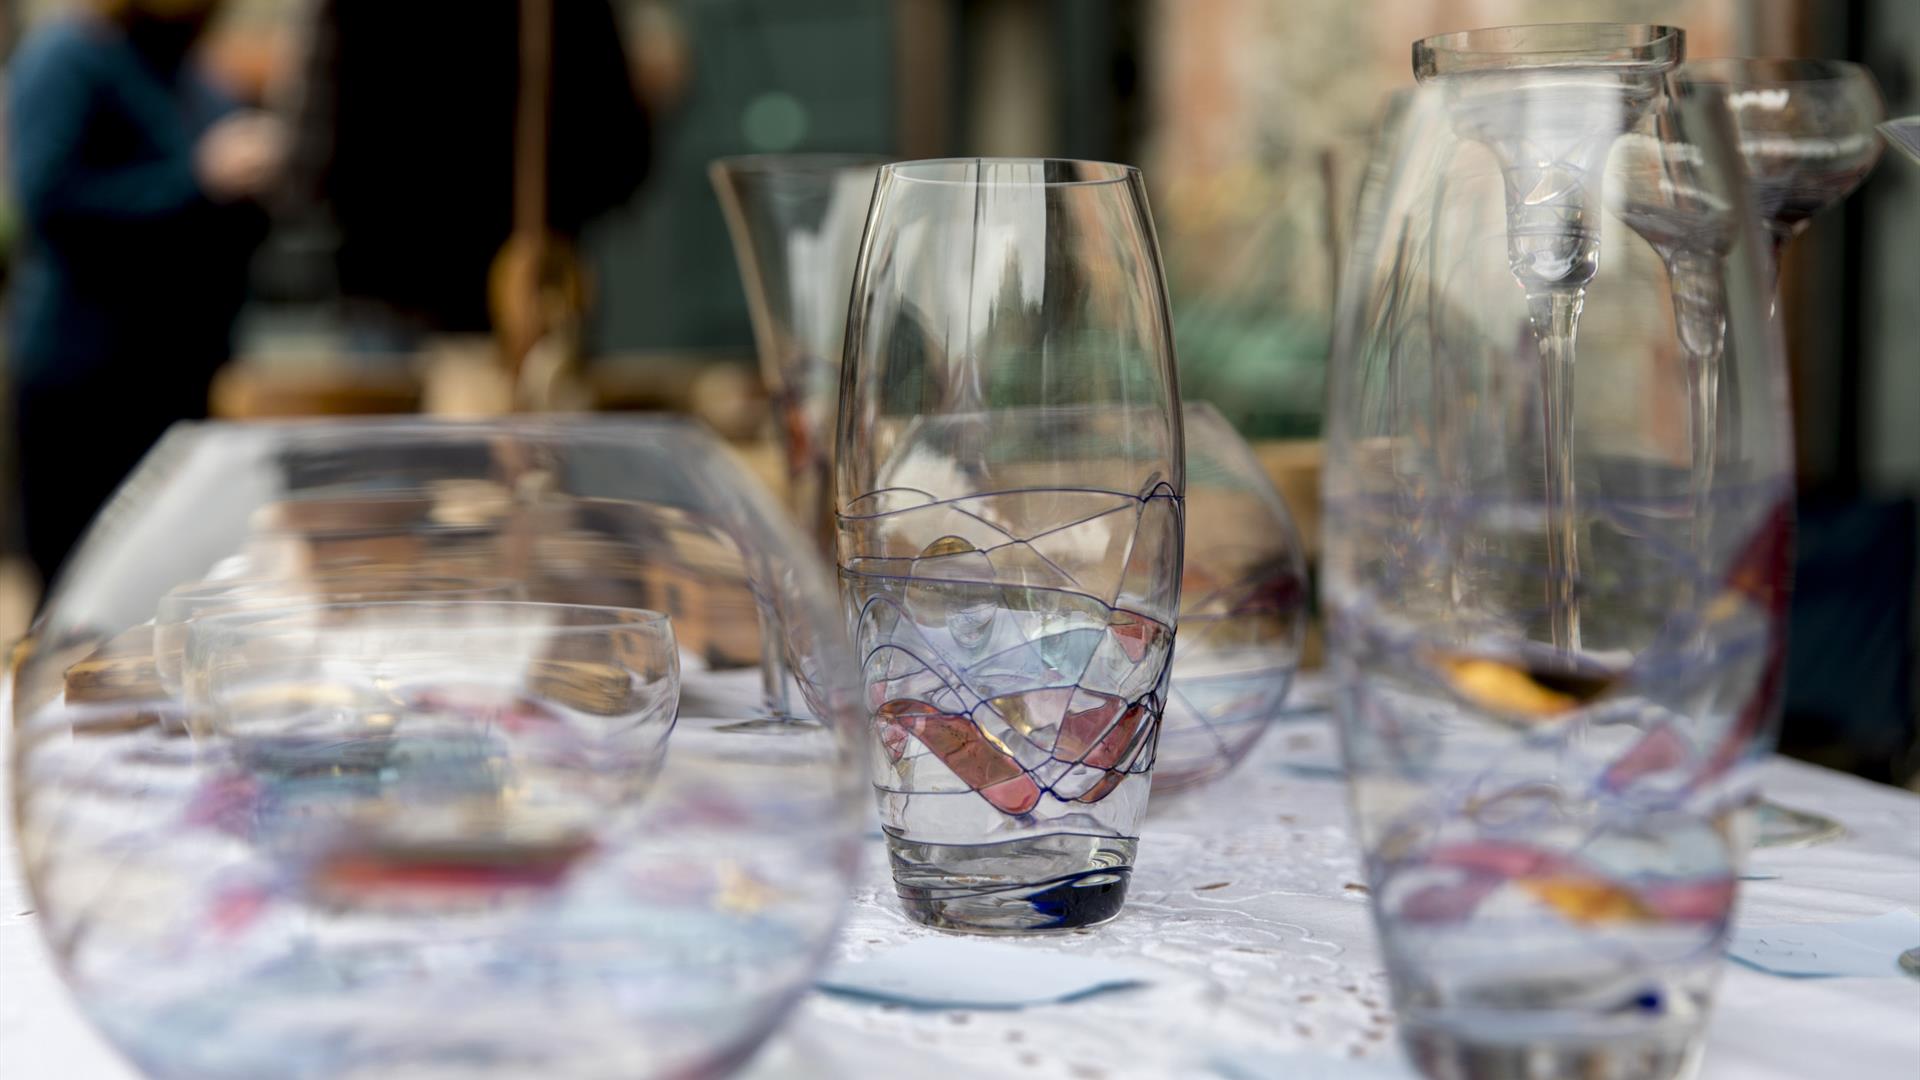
[(1247, 907)]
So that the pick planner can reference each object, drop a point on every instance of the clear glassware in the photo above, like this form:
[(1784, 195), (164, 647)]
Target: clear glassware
[(1807, 136), (460, 741), (1009, 473), (1586, 84), (1806, 132), (1905, 134), (796, 221), (1553, 827), (1243, 609), (185, 603), (442, 836)]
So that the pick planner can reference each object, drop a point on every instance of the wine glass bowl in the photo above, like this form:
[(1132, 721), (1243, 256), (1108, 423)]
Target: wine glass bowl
[(1806, 131), (393, 820)]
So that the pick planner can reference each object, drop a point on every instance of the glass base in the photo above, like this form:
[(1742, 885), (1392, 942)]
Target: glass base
[(1036, 884), (1442, 1054), (1783, 826)]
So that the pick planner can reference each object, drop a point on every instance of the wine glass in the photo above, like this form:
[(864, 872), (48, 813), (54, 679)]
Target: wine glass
[(1243, 607), (1551, 822), (796, 220), (440, 831), (532, 723), (1807, 136), (1008, 478), (1806, 133)]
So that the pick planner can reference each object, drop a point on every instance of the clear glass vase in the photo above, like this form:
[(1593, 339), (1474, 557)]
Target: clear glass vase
[(1008, 484), (1556, 554)]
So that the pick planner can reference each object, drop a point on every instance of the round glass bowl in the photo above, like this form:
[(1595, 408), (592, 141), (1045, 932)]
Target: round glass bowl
[(1243, 607), (439, 829)]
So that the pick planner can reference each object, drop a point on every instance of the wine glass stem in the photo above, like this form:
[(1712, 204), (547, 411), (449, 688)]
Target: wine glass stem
[(1556, 318), (1778, 237), (1700, 326)]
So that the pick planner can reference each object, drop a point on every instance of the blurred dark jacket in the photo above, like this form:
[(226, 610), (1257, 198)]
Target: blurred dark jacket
[(406, 137), (125, 266)]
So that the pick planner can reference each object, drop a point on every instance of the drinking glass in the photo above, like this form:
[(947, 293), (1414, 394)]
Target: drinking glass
[(1806, 133), (1556, 664), (1008, 483), (1243, 608), (437, 831), (796, 220)]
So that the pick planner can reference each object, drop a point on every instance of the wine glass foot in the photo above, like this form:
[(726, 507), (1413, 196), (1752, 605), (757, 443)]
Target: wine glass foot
[(1783, 826)]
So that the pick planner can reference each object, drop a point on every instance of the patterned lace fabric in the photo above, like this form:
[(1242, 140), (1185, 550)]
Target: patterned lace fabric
[(1247, 911), (1247, 907)]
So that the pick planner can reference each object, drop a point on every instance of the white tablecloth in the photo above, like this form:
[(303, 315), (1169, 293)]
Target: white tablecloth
[(1246, 910)]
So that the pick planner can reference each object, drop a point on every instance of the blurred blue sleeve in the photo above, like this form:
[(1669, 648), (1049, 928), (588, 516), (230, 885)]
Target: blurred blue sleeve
[(51, 96)]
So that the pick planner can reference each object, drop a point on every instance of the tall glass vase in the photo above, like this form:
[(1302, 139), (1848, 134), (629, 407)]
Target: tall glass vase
[(1008, 484), (795, 221), (1552, 822)]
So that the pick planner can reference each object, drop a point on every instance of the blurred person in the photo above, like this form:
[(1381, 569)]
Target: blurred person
[(136, 179), (406, 140)]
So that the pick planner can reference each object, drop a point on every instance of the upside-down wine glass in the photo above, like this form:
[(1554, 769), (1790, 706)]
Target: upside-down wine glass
[(1008, 485), (1552, 823)]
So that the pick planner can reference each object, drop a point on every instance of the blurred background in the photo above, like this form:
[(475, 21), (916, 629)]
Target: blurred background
[(357, 170)]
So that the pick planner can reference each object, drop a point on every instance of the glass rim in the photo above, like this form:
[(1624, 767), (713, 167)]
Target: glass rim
[(599, 616), (269, 588), (806, 161), (1574, 44), (1110, 172), (1752, 72)]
